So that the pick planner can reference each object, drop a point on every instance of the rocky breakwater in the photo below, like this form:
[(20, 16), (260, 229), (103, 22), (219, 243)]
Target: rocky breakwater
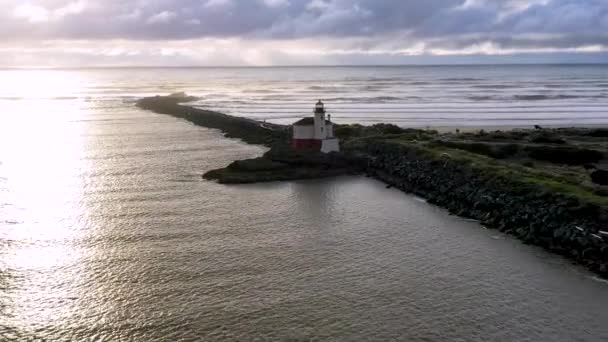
[(250, 131), (539, 186), (500, 199), (280, 163)]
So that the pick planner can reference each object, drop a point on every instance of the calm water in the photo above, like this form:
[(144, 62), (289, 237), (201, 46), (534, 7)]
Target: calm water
[(107, 232)]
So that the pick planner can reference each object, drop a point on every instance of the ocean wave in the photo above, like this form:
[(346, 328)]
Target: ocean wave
[(332, 88), (533, 97), (376, 99), (556, 86), (374, 87), (448, 118), (546, 97), (56, 98), (461, 79), (385, 79), (64, 98), (481, 98), (496, 86), (260, 91), (373, 79)]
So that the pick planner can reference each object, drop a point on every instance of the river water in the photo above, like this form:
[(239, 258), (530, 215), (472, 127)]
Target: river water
[(108, 232)]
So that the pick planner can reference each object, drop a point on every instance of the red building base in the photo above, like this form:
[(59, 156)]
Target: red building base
[(306, 144)]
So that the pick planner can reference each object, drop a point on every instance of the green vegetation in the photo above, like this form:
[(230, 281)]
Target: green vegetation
[(496, 150), (280, 164), (552, 160), (346, 132)]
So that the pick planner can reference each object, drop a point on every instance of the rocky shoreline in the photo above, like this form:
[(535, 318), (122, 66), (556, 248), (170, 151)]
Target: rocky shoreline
[(539, 204), (559, 223)]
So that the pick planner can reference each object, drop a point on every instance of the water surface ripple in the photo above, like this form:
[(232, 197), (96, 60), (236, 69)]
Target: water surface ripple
[(108, 232)]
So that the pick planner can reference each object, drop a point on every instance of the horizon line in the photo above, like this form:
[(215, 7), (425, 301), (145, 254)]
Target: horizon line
[(295, 66)]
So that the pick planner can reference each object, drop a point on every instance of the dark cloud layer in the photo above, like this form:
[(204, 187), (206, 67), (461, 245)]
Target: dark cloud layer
[(169, 19), (371, 24)]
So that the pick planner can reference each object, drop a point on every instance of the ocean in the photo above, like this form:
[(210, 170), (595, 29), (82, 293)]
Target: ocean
[(412, 96), (108, 232)]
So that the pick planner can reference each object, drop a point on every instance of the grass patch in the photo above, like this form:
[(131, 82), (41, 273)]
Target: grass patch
[(557, 180), (564, 155), (498, 151)]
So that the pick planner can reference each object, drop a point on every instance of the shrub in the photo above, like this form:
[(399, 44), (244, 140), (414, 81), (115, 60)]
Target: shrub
[(508, 135), (600, 177), (601, 192), (589, 167), (599, 133), (384, 128), (498, 151), (564, 155), (528, 164), (546, 138), (257, 164), (346, 131)]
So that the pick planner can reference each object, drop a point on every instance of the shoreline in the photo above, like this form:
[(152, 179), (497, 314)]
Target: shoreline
[(527, 183)]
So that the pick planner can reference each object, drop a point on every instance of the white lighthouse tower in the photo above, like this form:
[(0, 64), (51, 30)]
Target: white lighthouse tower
[(316, 133), (320, 123)]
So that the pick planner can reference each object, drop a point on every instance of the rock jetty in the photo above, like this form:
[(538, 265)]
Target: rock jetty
[(280, 163), (546, 187), (249, 131), (557, 221)]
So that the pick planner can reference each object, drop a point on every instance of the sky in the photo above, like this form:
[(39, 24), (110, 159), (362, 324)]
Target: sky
[(58, 33)]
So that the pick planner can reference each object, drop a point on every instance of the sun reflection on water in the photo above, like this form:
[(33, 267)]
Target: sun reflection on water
[(40, 84), (42, 176)]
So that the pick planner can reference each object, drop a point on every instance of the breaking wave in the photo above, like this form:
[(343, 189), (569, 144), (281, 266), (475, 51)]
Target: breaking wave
[(546, 97)]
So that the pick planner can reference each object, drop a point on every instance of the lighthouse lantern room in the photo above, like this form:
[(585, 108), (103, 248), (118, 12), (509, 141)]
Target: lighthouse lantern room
[(315, 133)]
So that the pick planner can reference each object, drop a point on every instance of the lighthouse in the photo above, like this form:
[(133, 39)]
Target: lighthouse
[(315, 133)]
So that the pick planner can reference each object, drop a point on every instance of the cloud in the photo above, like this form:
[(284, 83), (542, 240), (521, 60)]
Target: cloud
[(218, 4), (31, 13), (36, 13), (452, 27), (163, 17), (71, 8), (276, 3), (297, 18)]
